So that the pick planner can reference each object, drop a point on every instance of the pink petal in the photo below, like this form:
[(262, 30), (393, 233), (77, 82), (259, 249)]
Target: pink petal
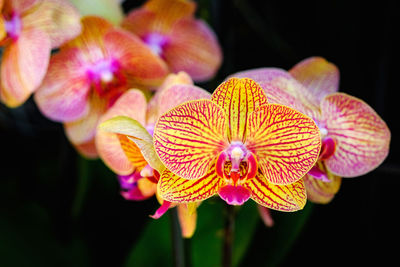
[(234, 195), (23, 67), (362, 138), (193, 48), (161, 210), (131, 104), (63, 95), (319, 76)]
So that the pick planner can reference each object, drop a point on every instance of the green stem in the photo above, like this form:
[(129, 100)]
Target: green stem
[(228, 236), (81, 187), (178, 249)]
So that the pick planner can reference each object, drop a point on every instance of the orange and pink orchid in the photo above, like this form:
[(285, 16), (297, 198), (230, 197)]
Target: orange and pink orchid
[(88, 75), (355, 140), (170, 29), (238, 146), (29, 30), (124, 142)]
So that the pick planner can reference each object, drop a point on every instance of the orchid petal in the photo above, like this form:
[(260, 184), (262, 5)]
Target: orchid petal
[(136, 59), (285, 141), (187, 216), (108, 9), (193, 47), (58, 18), (21, 6), (291, 197), (265, 214), (157, 16), (84, 130), (178, 94), (3, 32), (138, 134), (64, 93), (180, 190), (318, 75), (319, 191), (117, 151), (87, 149), (153, 107), (362, 138), (282, 88), (189, 137), (23, 66), (238, 98)]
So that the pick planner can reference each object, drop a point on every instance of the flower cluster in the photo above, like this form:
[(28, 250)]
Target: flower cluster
[(126, 93)]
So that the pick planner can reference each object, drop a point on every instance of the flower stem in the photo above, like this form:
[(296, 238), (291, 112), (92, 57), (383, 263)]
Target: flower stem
[(228, 236), (179, 245)]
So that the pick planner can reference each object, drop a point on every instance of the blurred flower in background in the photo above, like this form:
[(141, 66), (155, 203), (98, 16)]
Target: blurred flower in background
[(89, 73), (29, 30)]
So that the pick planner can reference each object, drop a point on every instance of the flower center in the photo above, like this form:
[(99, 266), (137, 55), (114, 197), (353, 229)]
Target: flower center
[(236, 163), (13, 26), (107, 79), (156, 42), (328, 148)]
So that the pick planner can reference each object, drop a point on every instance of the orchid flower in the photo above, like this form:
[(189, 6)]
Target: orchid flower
[(170, 29), (238, 146), (124, 141), (355, 140), (88, 75), (29, 30)]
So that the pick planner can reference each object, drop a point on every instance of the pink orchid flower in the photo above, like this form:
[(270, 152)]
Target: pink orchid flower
[(124, 141), (89, 73), (29, 30), (170, 29), (355, 140), (238, 146)]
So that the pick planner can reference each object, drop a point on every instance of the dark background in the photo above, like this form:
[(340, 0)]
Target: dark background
[(42, 197)]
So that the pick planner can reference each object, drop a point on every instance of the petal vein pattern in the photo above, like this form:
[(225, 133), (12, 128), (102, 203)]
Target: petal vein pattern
[(176, 189), (238, 98), (286, 142), (189, 137)]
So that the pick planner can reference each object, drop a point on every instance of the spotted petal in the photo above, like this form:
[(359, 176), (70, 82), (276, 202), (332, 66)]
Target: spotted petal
[(291, 197), (238, 98), (318, 75), (285, 141), (189, 137), (362, 138), (176, 189), (117, 151)]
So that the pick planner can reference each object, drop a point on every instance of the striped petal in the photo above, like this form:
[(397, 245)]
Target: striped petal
[(362, 138), (318, 75), (64, 93), (290, 197), (187, 216), (282, 88), (138, 134), (189, 137), (180, 190), (321, 192), (23, 66), (238, 98), (193, 47), (118, 152), (285, 141)]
